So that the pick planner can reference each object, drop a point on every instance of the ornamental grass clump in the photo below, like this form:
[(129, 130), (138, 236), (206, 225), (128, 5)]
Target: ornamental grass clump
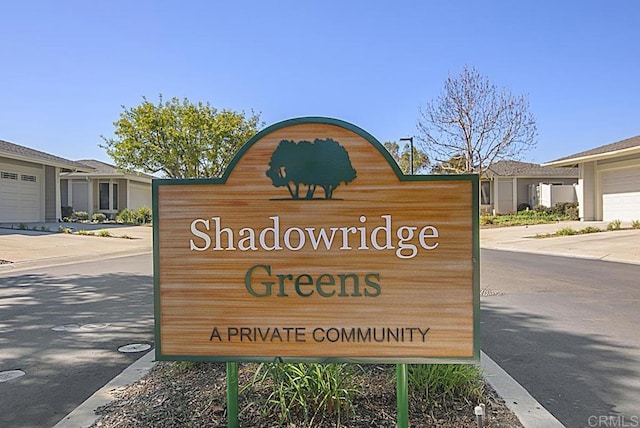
[(614, 225), (438, 384), (307, 391)]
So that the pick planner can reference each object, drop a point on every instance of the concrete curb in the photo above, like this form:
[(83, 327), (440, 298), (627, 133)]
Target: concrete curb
[(84, 415), (518, 400)]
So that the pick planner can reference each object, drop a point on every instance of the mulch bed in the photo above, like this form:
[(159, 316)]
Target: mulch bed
[(194, 395)]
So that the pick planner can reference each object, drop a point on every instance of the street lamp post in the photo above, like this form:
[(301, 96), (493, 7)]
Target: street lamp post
[(410, 140)]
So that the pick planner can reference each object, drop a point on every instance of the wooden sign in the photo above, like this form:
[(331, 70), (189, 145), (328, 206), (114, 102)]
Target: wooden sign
[(315, 247)]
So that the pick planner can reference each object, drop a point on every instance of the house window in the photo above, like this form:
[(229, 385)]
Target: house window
[(114, 192), (485, 193), (104, 196), (9, 175), (108, 194)]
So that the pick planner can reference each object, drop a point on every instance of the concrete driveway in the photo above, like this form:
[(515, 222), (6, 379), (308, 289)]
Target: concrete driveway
[(24, 249), (615, 246)]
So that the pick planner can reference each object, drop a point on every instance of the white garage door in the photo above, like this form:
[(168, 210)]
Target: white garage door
[(20, 194), (621, 194), (140, 195)]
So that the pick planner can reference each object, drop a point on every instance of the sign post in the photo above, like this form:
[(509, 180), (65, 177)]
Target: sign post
[(314, 247)]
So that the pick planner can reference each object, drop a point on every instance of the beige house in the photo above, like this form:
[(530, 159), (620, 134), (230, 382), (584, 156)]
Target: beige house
[(30, 184), (507, 184), (609, 180), (104, 189)]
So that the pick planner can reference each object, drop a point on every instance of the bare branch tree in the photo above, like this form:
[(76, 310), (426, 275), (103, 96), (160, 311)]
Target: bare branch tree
[(474, 120)]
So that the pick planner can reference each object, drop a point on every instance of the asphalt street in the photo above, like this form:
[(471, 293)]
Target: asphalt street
[(564, 327), (63, 326), (567, 330)]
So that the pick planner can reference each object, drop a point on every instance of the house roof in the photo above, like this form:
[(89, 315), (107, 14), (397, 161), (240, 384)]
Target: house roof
[(15, 151), (619, 148), (510, 168), (103, 169)]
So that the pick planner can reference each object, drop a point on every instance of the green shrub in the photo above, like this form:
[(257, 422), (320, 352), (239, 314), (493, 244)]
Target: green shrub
[(23, 226), (524, 207), (82, 232), (81, 215), (104, 233), (144, 215), (440, 383), (635, 224), (572, 213), (126, 216), (307, 391), (99, 217), (614, 225)]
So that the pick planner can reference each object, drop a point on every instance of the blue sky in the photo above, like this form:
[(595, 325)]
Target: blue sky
[(67, 67)]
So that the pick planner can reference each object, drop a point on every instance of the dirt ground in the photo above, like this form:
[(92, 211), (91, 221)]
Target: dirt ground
[(194, 395)]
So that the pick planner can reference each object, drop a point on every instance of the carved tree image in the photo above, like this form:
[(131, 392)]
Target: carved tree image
[(323, 163)]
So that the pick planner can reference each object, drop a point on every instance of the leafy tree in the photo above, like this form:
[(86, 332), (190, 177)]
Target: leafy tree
[(455, 165), (179, 138), (323, 163), (403, 158), (475, 120)]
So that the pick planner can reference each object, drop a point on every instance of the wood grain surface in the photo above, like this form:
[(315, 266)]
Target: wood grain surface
[(204, 305)]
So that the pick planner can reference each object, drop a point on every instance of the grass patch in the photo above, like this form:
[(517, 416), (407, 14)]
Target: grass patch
[(635, 224), (307, 392), (438, 384), (568, 231)]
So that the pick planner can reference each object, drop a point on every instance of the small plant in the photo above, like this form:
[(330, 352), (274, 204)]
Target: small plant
[(45, 229), (486, 219), (614, 225), (125, 237), (99, 217), (63, 229), (635, 224), (590, 229), (104, 233), (307, 391), (144, 215), (23, 226), (82, 232), (81, 215), (440, 383), (566, 231)]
